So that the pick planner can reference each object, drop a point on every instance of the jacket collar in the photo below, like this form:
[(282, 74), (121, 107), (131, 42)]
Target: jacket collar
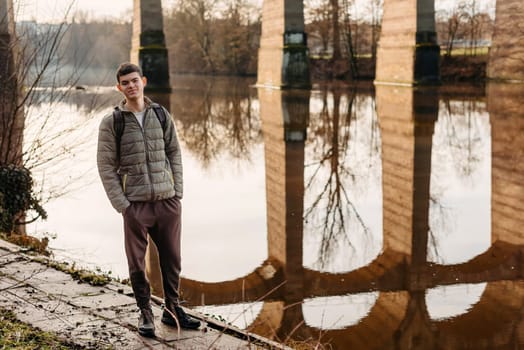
[(123, 107)]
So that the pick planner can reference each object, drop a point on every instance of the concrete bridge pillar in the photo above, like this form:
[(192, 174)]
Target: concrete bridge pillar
[(507, 177), (506, 57), (407, 118), (283, 55), (284, 116), (12, 118), (148, 45), (408, 53)]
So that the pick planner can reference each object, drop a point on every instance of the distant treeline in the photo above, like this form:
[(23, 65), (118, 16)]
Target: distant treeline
[(202, 39), (205, 38)]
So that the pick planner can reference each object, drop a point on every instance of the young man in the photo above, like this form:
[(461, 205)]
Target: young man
[(141, 170)]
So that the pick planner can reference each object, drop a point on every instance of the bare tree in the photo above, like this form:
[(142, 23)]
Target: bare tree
[(335, 22), (471, 15), (349, 38), (452, 20), (212, 39), (317, 15), (349, 41), (467, 23), (32, 135), (236, 37), (196, 16), (25, 62)]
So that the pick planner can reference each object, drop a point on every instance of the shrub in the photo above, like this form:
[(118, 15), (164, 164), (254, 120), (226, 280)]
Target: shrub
[(17, 198)]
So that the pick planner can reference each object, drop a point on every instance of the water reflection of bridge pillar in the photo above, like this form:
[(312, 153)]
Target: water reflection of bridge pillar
[(506, 56), (407, 118), (507, 129), (283, 55), (148, 44), (408, 52), (416, 330), (284, 116)]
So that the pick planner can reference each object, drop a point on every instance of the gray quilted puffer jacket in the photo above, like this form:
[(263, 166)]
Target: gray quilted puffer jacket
[(150, 165)]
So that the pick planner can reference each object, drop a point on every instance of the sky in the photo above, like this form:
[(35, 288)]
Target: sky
[(54, 10)]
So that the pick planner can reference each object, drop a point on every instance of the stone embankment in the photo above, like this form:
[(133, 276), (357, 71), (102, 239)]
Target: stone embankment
[(98, 317)]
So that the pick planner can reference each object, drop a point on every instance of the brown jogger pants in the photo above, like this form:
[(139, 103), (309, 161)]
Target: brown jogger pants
[(161, 219)]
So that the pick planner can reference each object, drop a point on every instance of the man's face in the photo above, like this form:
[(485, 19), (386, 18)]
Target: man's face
[(132, 86)]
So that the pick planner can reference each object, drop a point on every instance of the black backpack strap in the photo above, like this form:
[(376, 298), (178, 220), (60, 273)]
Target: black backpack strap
[(118, 125), (161, 115)]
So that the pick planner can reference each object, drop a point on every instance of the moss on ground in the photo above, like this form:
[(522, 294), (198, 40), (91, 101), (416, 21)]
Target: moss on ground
[(18, 335), (97, 278)]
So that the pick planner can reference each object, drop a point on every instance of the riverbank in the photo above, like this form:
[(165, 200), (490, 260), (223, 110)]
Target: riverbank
[(83, 316), (453, 69)]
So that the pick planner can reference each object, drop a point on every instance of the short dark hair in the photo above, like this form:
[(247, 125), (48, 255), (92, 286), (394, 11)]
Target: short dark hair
[(126, 68)]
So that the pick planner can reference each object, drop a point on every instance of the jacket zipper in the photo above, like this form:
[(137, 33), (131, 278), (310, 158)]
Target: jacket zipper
[(172, 177), (147, 154), (124, 182)]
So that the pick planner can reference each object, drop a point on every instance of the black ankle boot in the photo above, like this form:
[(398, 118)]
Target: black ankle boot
[(146, 322), (184, 319)]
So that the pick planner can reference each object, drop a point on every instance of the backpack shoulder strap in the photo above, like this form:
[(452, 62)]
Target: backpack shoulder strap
[(118, 125), (161, 115)]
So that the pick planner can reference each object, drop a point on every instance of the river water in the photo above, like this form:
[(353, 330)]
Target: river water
[(355, 216)]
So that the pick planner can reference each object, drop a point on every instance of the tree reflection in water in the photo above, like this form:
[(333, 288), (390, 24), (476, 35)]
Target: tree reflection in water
[(461, 146), (343, 160), (215, 117), (464, 130)]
